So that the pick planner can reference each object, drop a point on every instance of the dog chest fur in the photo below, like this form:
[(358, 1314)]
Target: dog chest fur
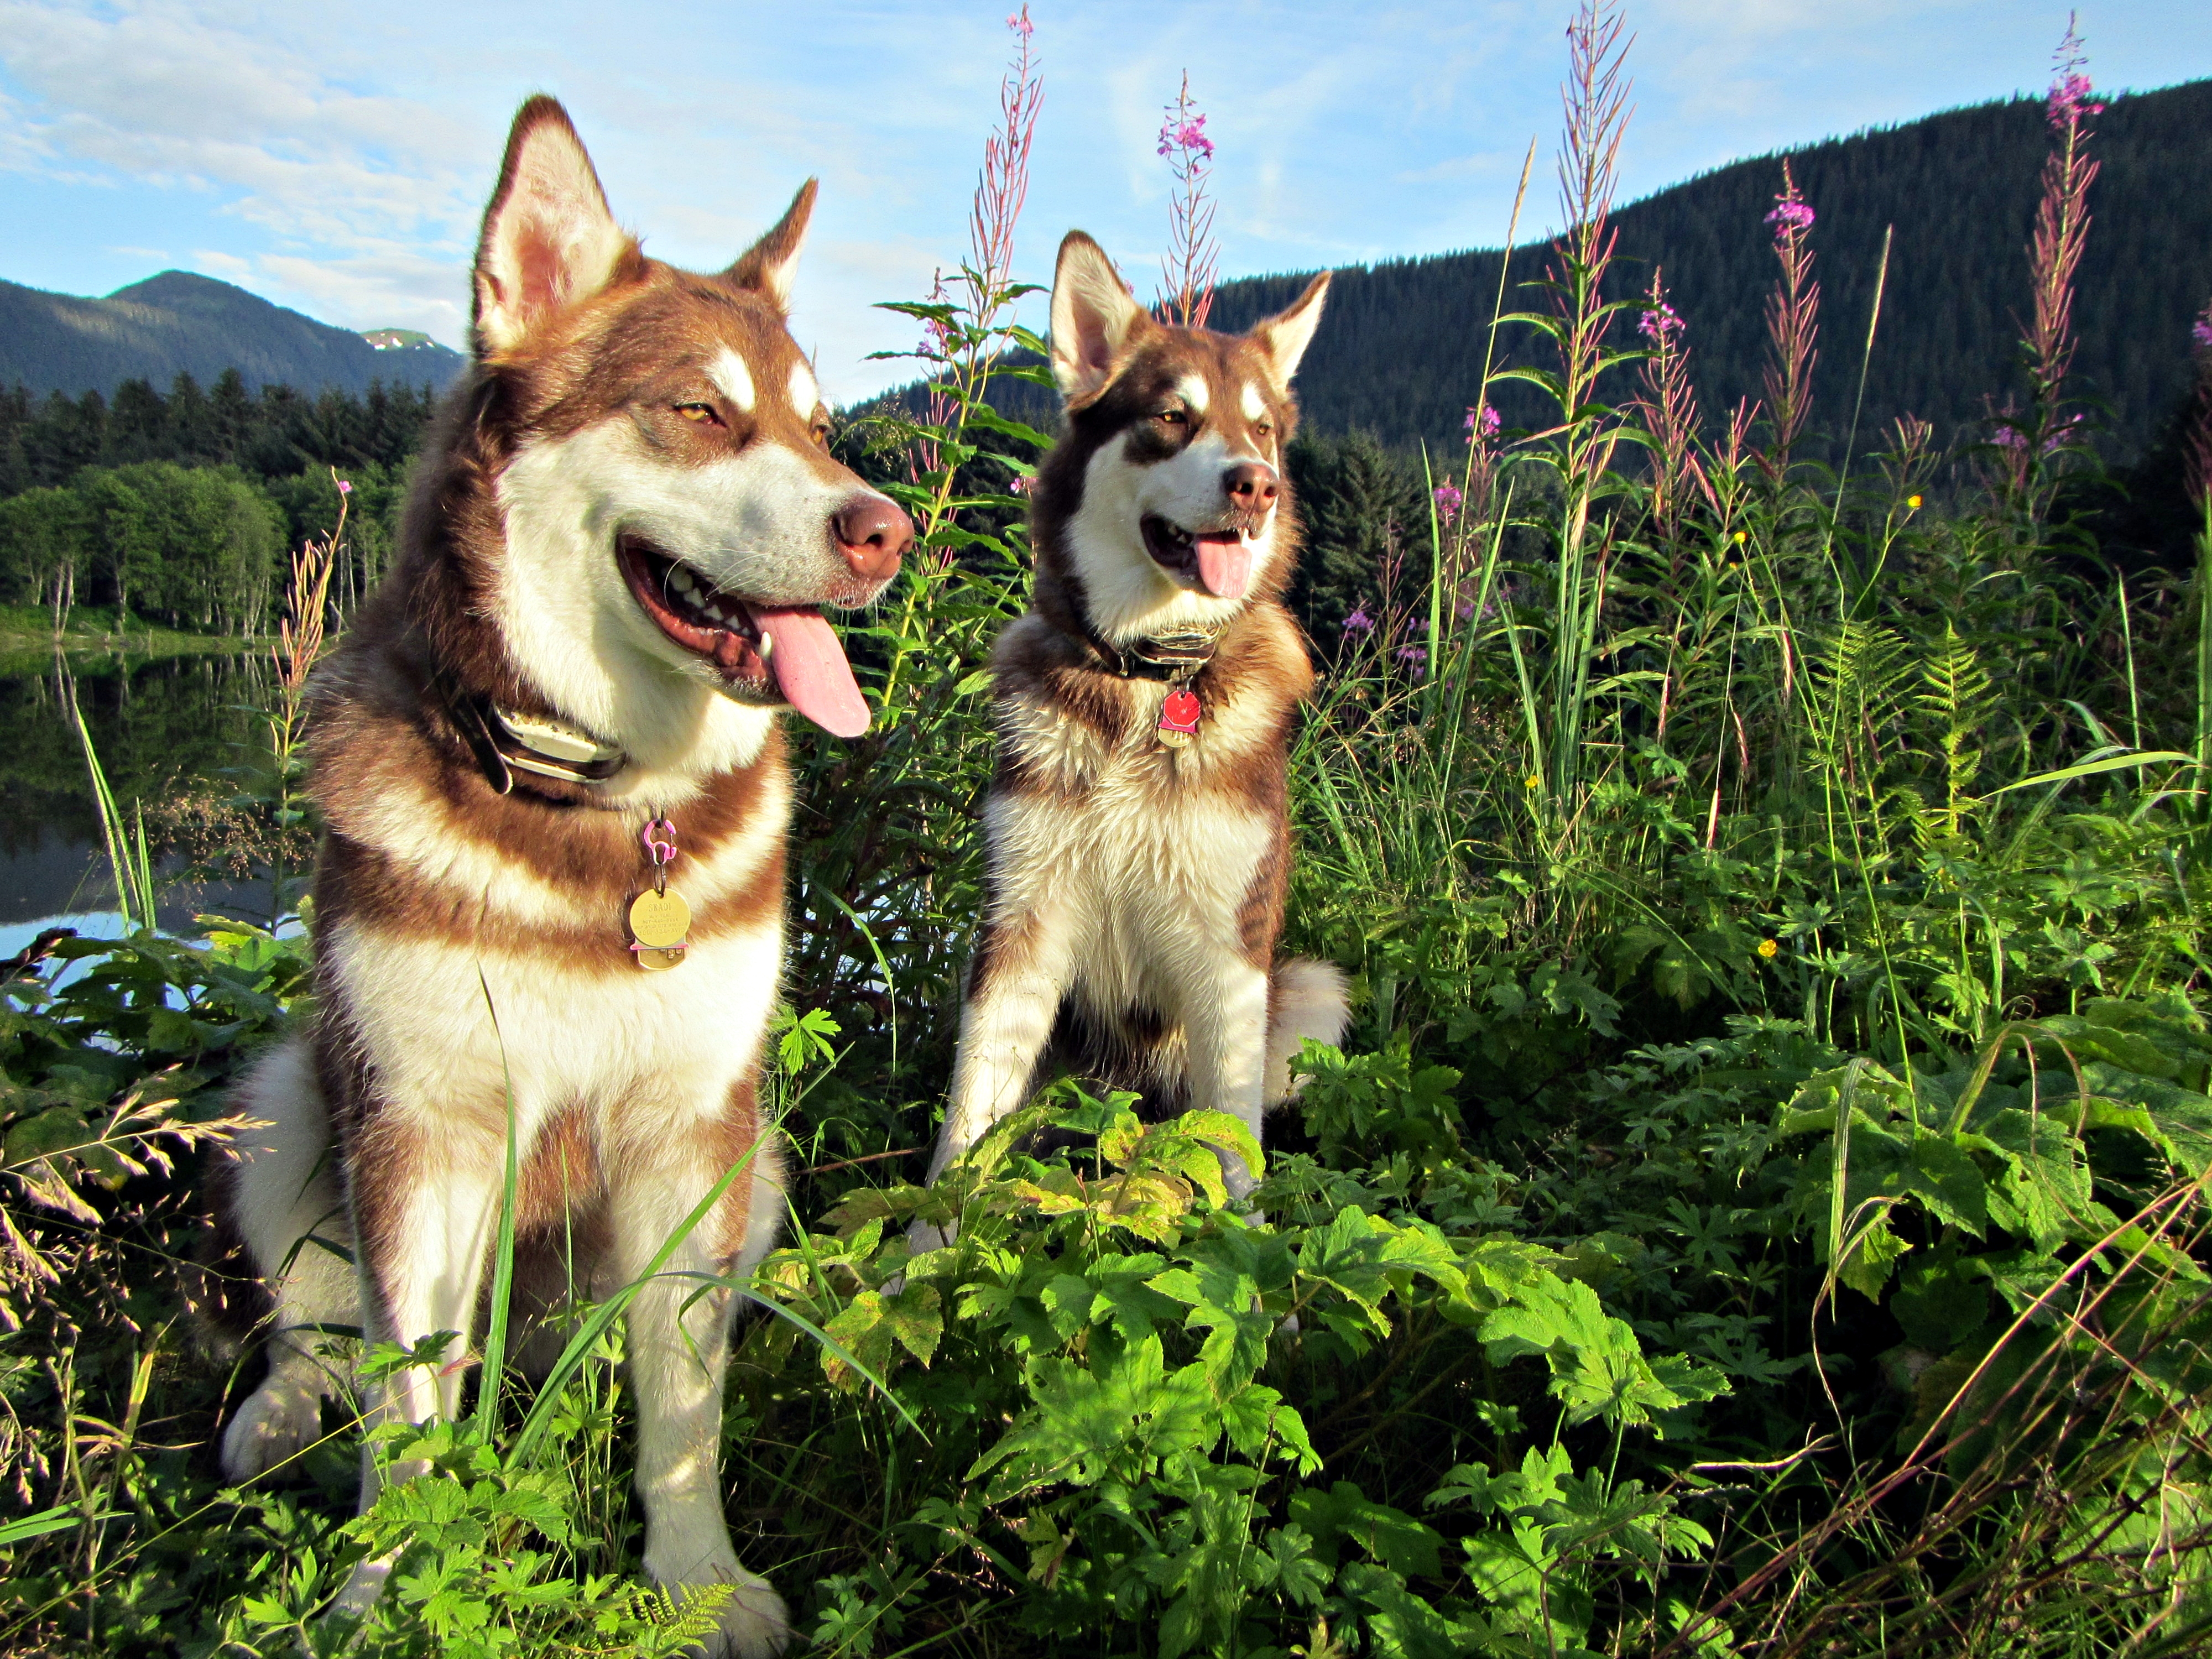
[(1150, 854)]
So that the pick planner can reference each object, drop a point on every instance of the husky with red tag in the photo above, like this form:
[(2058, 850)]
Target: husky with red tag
[(1139, 840), (550, 891)]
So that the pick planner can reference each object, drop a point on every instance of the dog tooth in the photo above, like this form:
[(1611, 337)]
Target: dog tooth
[(765, 646), (681, 581)]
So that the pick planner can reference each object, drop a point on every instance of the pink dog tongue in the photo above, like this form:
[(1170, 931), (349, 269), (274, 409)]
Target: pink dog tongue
[(1225, 564), (811, 669)]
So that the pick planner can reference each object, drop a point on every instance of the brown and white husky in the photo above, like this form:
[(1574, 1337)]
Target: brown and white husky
[(1138, 838), (622, 531)]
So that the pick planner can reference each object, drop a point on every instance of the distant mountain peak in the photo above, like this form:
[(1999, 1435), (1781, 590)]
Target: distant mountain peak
[(178, 284), (179, 322)]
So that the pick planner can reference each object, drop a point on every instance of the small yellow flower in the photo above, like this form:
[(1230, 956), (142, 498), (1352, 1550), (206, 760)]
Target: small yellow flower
[(1532, 781), (1912, 502), (1739, 538), (1768, 948)]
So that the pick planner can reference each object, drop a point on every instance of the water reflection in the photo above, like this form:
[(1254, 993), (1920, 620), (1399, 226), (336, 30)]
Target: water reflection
[(176, 736)]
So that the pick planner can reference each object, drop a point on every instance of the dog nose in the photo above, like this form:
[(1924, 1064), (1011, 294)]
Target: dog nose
[(1251, 486), (871, 533)]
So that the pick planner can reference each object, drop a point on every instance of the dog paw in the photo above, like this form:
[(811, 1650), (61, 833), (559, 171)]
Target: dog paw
[(923, 1236), (754, 1623), (271, 1428), (363, 1588)]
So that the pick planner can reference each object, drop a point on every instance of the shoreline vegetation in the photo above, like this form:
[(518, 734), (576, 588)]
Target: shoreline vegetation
[(1759, 1212), (28, 639)]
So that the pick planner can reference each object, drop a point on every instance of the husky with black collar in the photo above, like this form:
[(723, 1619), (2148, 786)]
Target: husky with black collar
[(609, 582), (1138, 832)]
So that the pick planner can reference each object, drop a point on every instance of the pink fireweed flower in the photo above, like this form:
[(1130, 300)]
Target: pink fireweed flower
[(1359, 622), (1186, 135), (2011, 437), (1662, 323), (1790, 216), (2200, 332), (1483, 422), (345, 487), (1020, 24), (1412, 656), (2061, 433), (2069, 102), (1449, 501)]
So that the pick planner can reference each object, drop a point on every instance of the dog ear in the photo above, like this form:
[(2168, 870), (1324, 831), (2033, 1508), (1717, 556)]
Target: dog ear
[(1094, 320), (768, 264), (548, 241), (1284, 336)]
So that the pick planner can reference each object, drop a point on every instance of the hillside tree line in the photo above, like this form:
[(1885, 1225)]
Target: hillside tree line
[(182, 507)]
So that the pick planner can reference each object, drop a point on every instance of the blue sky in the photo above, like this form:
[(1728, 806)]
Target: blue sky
[(335, 158)]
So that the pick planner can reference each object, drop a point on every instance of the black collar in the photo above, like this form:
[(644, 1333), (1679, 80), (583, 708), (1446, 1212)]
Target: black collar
[(548, 748), (1173, 658)]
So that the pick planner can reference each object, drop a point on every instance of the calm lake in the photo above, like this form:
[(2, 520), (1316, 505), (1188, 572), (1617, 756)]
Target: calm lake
[(173, 734)]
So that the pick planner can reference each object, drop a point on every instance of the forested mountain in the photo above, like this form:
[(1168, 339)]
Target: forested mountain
[(180, 323), (1400, 352), (273, 433)]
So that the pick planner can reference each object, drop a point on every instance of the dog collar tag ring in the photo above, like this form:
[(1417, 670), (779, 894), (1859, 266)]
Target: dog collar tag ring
[(1179, 717), (659, 921)]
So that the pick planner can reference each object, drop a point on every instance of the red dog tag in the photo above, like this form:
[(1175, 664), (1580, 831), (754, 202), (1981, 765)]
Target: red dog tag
[(1179, 717)]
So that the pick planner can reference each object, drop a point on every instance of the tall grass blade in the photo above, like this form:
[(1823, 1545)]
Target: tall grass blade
[(502, 1259), (2092, 768), (132, 868), (2204, 661)]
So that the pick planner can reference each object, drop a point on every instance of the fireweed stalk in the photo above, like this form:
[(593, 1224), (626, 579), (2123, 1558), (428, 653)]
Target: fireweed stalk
[(968, 327), (1193, 254), (2196, 439), (2062, 230), (1793, 327), (1596, 110), (1668, 409), (299, 646), (2197, 478), (964, 326)]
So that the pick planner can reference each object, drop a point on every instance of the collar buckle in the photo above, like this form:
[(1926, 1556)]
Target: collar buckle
[(504, 743), (1177, 659)]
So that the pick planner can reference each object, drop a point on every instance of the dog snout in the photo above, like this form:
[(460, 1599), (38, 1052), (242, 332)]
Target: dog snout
[(1251, 486), (872, 534)]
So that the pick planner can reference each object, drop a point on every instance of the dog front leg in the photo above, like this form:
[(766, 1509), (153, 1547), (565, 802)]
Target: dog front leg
[(1227, 1032), (1014, 993), (678, 1340), (423, 1210), (280, 1194)]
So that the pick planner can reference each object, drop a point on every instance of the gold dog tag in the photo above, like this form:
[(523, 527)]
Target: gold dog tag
[(659, 921), (655, 961)]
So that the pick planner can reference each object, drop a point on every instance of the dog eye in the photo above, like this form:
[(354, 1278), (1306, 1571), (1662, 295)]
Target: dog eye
[(1172, 416), (1264, 428), (822, 434), (699, 412)]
